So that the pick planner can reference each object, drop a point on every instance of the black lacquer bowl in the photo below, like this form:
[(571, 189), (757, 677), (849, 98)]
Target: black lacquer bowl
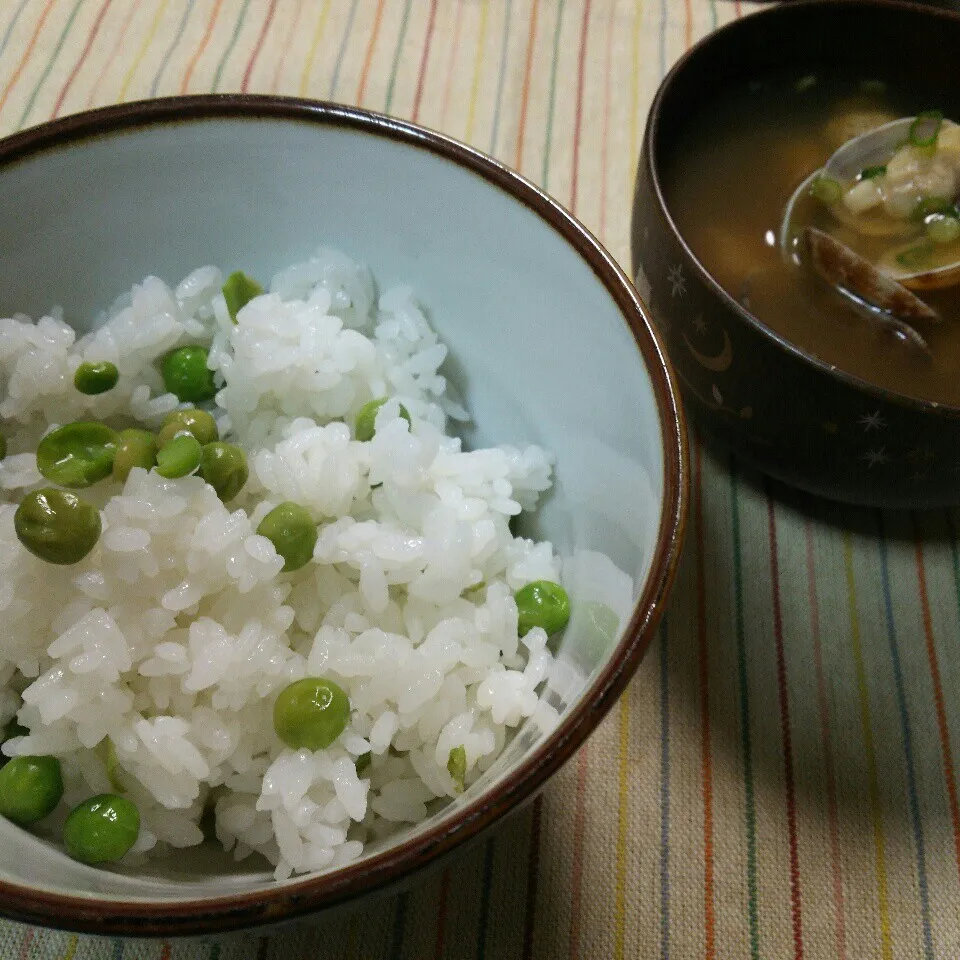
[(781, 409)]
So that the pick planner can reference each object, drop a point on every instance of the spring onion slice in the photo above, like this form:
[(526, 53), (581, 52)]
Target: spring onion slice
[(826, 190), (927, 206), (942, 228), (926, 128), (871, 173)]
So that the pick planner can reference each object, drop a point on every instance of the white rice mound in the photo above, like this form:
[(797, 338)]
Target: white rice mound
[(155, 662)]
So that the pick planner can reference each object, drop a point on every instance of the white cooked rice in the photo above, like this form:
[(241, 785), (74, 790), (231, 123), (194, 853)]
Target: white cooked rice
[(174, 635)]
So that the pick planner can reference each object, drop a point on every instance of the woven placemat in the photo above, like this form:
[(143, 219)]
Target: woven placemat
[(779, 780)]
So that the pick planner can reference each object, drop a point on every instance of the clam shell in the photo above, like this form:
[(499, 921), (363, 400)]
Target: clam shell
[(872, 293)]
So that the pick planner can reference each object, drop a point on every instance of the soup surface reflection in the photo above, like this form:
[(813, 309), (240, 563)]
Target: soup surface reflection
[(728, 179)]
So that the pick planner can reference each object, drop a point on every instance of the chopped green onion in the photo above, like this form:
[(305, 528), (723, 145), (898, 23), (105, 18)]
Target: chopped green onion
[(929, 205), (942, 228), (457, 767), (826, 190), (926, 128), (871, 173), (915, 256), (363, 763)]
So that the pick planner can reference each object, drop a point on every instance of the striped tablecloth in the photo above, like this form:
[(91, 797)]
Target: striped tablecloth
[(779, 780)]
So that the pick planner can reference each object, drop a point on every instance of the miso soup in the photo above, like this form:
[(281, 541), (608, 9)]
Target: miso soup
[(752, 150)]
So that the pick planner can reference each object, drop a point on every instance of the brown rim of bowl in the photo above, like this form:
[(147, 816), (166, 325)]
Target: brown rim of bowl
[(651, 134), (224, 913)]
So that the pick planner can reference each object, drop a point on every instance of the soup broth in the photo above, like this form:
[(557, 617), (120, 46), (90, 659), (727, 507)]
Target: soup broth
[(728, 178)]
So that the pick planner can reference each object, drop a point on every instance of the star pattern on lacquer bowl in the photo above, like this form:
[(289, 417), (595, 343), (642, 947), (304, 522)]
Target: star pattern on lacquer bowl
[(699, 324), (677, 281), (872, 421), (875, 458)]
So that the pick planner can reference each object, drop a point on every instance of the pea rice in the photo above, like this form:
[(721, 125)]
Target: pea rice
[(154, 663)]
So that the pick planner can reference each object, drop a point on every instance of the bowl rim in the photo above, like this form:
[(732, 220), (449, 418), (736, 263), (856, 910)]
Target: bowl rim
[(143, 917), (648, 157)]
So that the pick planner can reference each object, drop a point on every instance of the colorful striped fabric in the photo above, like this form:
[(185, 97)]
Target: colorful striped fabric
[(779, 780)]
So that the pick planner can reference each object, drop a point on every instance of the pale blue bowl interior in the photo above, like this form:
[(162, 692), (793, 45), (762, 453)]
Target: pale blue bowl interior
[(540, 350)]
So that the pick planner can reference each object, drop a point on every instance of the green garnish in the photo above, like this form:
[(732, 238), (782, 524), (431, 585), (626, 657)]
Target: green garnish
[(928, 205), (915, 256), (926, 128), (871, 173), (943, 228), (826, 190), (238, 291), (363, 763), (457, 767)]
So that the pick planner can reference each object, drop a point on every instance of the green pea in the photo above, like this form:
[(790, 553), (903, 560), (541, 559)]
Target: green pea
[(77, 454), (57, 526), (292, 532), (542, 603), (311, 713), (137, 448), (197, 422), (224, 467), (185, 373), (457, 767), (238, 291), (366, 425), (3, 447), (102, 828), (96, 377), (30, 788), (180, 457)]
